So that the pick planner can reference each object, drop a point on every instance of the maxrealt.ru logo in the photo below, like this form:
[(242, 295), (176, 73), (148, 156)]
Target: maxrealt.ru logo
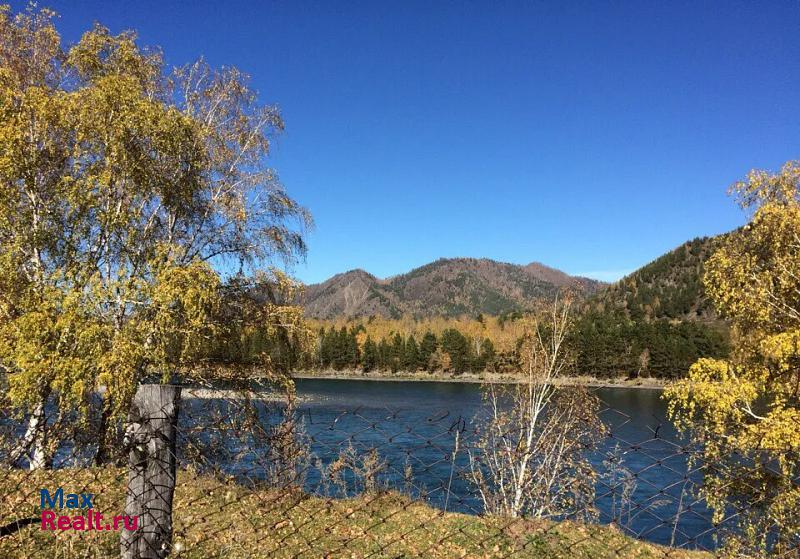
[(87, 519)]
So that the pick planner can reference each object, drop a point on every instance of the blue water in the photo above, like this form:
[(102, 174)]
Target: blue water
[(413, 426), (411, 429)]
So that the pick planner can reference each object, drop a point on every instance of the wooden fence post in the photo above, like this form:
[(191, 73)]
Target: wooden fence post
[(151, 435)]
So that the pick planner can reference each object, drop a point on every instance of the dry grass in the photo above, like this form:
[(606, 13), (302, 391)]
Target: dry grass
[(219, 518)]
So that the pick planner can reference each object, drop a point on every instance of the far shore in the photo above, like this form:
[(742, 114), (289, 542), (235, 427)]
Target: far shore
[(481, 378), (221, 394)]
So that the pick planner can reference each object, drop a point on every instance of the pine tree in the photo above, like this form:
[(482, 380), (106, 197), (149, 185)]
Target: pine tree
[(326, 347), (351, 349), (458, 348), (487, 354), (384, 355), (370, 358), (411, 360), (339, 350), (398, 353), (427, 348)]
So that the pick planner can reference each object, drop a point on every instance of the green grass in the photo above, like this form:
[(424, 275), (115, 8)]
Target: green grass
[(218, 518)]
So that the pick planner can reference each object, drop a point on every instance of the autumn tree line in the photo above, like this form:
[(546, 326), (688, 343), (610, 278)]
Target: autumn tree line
[(354, 348), (601, 344)]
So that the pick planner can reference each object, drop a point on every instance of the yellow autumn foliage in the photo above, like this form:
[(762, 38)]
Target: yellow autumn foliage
[(124, 188), (745, 412)]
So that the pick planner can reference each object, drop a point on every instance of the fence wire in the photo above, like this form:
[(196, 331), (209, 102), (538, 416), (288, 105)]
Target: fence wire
[(219, 472)]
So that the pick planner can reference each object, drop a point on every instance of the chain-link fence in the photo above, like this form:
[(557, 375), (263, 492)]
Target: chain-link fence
[(218, 472)]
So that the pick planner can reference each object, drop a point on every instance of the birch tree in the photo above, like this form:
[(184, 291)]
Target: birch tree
[(125, 187), (530, 459), (745, 410)]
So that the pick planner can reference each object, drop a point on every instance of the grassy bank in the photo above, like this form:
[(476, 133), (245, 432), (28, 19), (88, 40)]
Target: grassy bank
[(215, 518)]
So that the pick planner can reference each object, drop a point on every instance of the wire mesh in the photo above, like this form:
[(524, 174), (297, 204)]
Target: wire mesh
[(242, 473)]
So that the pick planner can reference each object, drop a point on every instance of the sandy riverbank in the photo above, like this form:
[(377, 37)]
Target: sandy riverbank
[(480, 378), (219, 393)]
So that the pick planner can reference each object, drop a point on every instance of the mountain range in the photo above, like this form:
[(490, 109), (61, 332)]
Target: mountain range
[(668, 287), (447, 287)]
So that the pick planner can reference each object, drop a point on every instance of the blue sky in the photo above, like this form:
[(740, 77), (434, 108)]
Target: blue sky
[(591, 137)]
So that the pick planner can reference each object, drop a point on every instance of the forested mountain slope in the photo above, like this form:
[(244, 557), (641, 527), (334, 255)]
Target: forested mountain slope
[(669, 287), (447, 287)]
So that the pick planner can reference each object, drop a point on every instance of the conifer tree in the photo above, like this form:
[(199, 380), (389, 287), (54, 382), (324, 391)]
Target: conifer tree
[(487, 354), (369, 358), (397, 352), (411, 360), (458, 348), (427, 348), (384, 355)]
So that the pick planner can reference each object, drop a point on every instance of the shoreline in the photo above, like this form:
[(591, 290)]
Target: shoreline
[(471, 378), (232, 394)]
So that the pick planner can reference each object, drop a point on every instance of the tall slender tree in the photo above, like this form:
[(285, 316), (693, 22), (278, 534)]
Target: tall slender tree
[(369, 358)]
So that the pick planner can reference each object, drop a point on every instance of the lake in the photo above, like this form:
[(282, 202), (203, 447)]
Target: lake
[(412, 426)]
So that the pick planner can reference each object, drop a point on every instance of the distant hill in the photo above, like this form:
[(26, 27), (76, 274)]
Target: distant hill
[(656, 321), (669, 287), (447, 287)]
